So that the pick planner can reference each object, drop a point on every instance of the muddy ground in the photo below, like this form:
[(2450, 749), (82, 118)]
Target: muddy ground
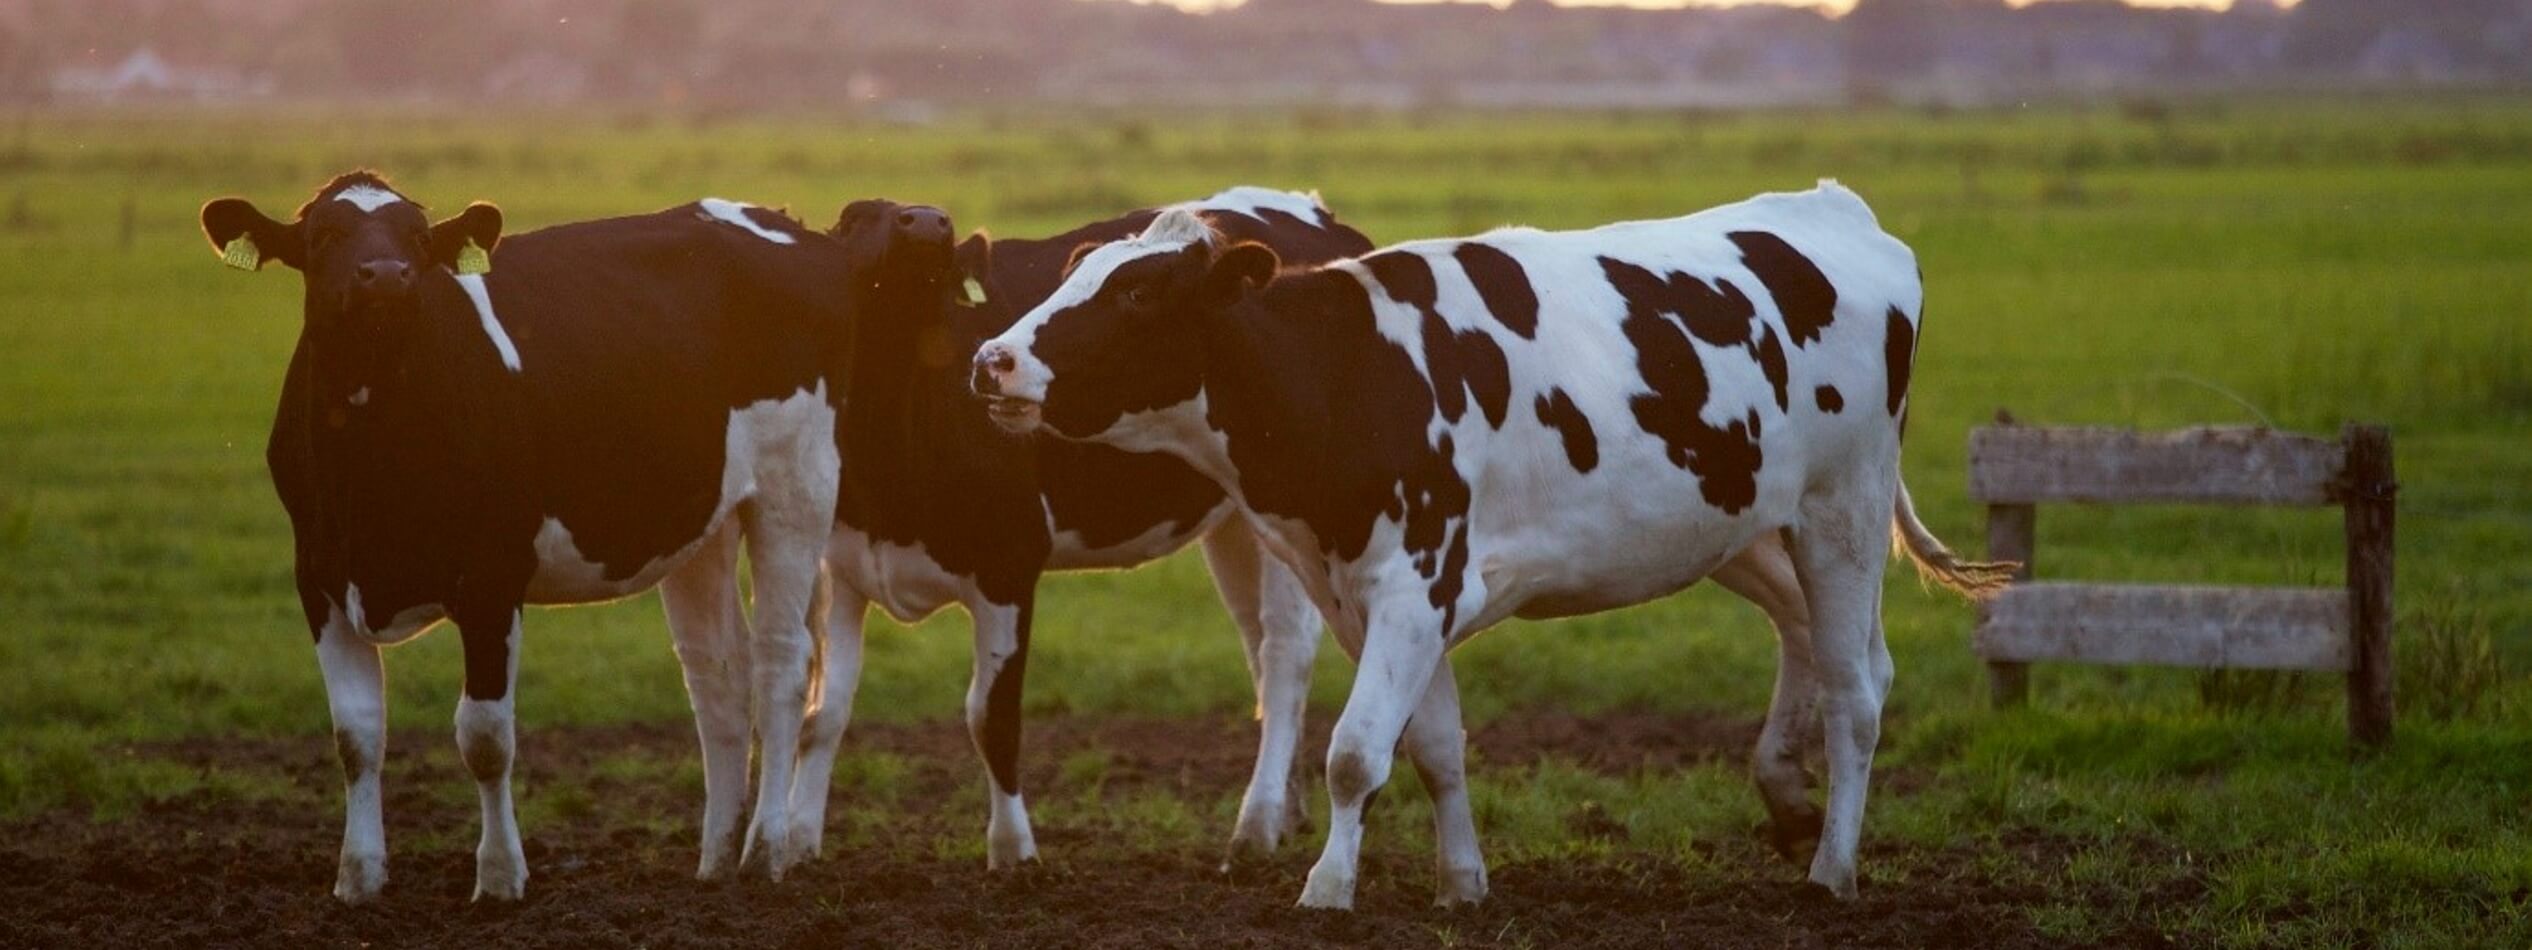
[(206, 870)]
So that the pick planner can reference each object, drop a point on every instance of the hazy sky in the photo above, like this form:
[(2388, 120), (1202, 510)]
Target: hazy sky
[(1838, 6)]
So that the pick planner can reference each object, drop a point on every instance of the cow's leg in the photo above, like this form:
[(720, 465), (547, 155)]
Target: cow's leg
[(840, 675), (355, 692), (1438, 745), (1763, 574), (1280, 631), (993, 720), (1839, 553), (487, 741), (709, 628), (786, 530), (1400, 652)]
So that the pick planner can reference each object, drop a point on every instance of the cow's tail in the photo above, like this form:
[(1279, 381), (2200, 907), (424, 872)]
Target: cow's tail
[(1976, 580)]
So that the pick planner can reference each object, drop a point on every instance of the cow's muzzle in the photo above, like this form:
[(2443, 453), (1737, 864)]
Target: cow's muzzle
[(988, 378)]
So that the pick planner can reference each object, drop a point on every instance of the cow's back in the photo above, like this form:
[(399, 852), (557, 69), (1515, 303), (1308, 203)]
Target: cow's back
[(1666, 390)]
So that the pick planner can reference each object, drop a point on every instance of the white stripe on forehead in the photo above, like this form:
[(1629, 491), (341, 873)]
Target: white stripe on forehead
[(368, 198), (735, 213)]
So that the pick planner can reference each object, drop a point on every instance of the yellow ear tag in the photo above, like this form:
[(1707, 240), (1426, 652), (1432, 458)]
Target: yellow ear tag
[(473, 260), (242, 254), (971, 294)]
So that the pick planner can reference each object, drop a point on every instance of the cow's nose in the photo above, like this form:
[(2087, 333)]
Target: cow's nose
[(993, 362), (925, 224), (384, 276)]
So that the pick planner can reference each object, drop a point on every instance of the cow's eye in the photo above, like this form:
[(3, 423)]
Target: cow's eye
[(1139, 298), (321, 240)]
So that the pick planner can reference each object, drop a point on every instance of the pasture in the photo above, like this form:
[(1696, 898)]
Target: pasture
[(166, 774)]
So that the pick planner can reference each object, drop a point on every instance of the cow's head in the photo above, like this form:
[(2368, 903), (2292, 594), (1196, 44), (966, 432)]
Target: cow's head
[(360, 245), (903, 276), (1124, 334), (360, 249)]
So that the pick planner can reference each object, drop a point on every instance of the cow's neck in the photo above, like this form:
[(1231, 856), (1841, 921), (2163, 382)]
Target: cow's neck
[(1267, 390), (381, 423)]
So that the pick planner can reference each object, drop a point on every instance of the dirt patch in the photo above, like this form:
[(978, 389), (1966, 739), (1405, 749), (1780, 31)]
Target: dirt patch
[(206, 871)]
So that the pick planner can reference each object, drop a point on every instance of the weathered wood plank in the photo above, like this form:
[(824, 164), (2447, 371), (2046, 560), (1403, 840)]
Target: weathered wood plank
[(2204, 627), (2020, 465)]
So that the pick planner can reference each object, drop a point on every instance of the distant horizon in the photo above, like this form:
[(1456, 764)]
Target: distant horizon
[(1833, 7)]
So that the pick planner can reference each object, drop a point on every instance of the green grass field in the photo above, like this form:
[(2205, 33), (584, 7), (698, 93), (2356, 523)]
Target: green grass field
[(2289, 264)]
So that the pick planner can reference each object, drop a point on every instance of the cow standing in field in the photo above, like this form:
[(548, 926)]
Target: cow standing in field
[(939, 506), (618, 406), (1448, 433)]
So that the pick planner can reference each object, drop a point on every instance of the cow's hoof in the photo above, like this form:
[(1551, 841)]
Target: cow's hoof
[(1007, 851), (1328, 890), (807, 840), (1795, 833), (359, 878), (764, 859), (1462, 887), (1839, 888), (502, 877)]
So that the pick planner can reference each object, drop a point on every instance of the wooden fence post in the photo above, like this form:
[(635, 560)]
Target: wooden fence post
[(2012, 535), (2368, 491)]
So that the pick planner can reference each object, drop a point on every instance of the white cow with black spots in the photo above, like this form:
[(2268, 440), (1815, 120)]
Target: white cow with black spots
[(1448, 433)]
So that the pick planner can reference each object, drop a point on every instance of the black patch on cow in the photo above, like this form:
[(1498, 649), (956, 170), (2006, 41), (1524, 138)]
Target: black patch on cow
[(1802, 293), (1725, 460), (1503, 285), (1460, 363), (1899, 352), (1771, 361), (1557, 411), (1829, 398), (999, 735), (1348, 448)]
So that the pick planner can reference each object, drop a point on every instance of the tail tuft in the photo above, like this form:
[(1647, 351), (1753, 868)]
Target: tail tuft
[(1976, 580)]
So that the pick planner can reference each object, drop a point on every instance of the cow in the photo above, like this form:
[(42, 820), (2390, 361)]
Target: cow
[(1448, 433), (939, 507), (619, 405)]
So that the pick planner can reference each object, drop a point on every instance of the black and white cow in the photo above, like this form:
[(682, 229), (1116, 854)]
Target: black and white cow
[(940, 507), (616, 406), (1448, 433)]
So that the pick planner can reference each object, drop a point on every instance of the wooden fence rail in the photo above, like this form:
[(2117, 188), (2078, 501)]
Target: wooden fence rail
[(2013, 468)]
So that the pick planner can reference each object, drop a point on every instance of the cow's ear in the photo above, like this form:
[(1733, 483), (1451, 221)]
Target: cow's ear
[(246, 238), (1080, 251), (1246, 266), (974, 264), (464, 243)]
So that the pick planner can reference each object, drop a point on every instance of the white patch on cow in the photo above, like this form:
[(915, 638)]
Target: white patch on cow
[(360, 397), (734, 213), (757, 438), (355, 694), (1072, 552), (352, 617), (487, 744), (473, 285), (901, 579), (1250, 200), (368, 198)]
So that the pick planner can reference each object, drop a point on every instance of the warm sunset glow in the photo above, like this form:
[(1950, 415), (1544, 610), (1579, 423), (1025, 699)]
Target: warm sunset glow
[(1833, 6)]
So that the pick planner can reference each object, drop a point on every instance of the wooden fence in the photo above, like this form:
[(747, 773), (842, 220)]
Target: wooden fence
[(2013, 468)]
